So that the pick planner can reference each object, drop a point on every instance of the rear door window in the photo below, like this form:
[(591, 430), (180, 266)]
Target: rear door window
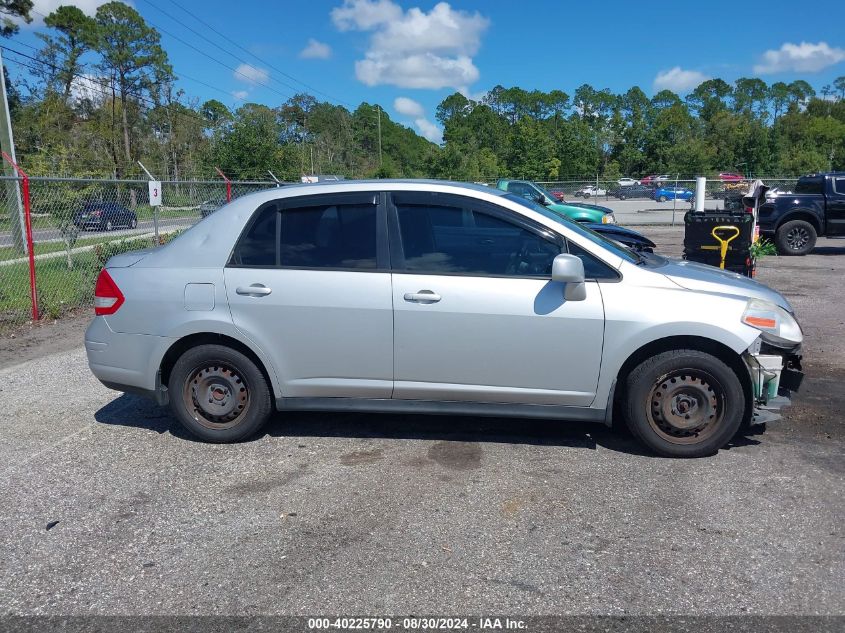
[(334, 231), (839, 186)]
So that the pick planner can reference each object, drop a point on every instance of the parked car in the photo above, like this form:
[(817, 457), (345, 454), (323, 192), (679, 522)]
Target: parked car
[(624, 236), (726, 176), (104, 216), (558, 195), (435, 297), (816, 207), (535, 193), (591, 190), (210, 206), (662, 194), (632, 191), (654, 179), (627, 182)]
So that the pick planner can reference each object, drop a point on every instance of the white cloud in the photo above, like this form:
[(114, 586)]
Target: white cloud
[(363, 15), (240, 95), (800, 58), (408, 107), (678, 80), (316, 50), (46, 7), (251, 74), (89, 87), (414, 48), (429, 130)]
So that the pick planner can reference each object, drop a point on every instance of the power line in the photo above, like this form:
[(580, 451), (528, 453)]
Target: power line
[(248, 52), (217, 61), (91, 84), (179, 75), (194, 31)]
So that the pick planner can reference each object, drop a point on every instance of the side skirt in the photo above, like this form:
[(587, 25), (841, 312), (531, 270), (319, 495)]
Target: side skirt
[(436, 407)]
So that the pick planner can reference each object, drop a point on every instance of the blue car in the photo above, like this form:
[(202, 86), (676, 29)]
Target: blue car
[(670, 193)]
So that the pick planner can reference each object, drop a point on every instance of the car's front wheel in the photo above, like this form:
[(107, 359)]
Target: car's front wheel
[(133, 223), (109, 225), (796, 237), (662, 199), (684, 403), (219, 394)]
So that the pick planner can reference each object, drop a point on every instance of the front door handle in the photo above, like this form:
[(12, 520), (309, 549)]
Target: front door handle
[(254, 290), (423, 296)]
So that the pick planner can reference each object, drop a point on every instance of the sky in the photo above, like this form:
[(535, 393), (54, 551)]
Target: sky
[(409, 55)]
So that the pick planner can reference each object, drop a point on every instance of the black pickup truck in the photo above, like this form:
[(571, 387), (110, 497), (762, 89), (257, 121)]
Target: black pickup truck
[(795, 220)]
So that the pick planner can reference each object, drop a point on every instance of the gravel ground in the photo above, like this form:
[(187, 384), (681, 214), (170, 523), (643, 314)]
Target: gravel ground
[(110, 509)]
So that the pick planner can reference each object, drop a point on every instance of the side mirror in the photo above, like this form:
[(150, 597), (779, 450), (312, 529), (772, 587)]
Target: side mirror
[(569, 270)]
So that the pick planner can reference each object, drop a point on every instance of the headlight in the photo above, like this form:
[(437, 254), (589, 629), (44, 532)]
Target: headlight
[(777, 325), (608, 218)]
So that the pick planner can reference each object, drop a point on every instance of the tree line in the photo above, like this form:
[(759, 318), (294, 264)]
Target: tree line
[(99, 94)]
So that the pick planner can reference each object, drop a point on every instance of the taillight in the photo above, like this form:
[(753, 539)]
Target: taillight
[(107, 296)]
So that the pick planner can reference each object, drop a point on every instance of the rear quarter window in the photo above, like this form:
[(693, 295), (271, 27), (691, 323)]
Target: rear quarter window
[(814, 185)]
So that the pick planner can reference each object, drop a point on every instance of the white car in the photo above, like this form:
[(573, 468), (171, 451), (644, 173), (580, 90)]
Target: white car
[(591, 190), (410, 296), (627, 182)]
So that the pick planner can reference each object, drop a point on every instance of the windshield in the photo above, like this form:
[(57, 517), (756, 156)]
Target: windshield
[(582, 230), (543, 191)]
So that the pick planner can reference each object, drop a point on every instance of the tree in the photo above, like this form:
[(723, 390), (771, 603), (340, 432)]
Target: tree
[(750, 95), (779, 96), (839, 84), (131, 55), (77, 34), (10, 9)]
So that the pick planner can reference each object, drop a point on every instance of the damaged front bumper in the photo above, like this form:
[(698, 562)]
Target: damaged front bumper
[(775, 373)]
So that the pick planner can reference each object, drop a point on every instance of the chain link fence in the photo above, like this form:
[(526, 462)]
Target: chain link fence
[(76, 225), (648, 190)]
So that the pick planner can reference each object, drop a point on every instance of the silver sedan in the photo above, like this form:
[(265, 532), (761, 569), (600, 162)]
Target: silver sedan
[(442, 298)]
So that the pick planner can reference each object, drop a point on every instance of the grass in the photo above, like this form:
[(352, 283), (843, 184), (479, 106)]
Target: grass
[(43, 248), (60, 289)]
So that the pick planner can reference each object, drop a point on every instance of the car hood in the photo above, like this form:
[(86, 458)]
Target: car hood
[(700, 277)]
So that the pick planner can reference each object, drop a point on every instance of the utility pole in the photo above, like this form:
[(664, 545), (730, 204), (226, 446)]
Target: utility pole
[(14, 205), (378, 107)]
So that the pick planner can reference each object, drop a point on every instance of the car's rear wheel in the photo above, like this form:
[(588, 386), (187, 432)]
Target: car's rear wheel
[(109, 225), (662, 199), (133, 223), (684, 403), (796, 237), (219, 394), (622, 197)]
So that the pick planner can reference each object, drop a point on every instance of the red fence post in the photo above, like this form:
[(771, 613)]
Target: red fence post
[(27, 214), (228, 185)]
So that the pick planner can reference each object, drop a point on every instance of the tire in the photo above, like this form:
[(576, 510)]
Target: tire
[(622, 197), (684, 403), (586, 195), (796, 237), (133, 223), (234, 387), (109, 225), (662, 199)]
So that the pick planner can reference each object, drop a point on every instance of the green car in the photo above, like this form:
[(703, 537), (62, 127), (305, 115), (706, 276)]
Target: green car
[(578, 212)]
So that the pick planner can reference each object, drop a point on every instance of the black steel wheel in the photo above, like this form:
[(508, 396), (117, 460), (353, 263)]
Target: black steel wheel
[(796, 237), (219, 394), (684, 403)]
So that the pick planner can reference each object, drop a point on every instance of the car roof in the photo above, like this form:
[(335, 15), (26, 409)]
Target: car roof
[(213, 237)]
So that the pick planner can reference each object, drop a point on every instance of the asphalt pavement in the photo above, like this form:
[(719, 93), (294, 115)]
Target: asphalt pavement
[(109, 508)]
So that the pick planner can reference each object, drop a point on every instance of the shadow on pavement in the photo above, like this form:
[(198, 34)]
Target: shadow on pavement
[(136, 412)]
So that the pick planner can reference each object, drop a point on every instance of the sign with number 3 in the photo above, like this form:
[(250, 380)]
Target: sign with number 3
[(155, 193)]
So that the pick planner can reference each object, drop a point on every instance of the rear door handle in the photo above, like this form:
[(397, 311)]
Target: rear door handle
[(254, 290), (423, 296)]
